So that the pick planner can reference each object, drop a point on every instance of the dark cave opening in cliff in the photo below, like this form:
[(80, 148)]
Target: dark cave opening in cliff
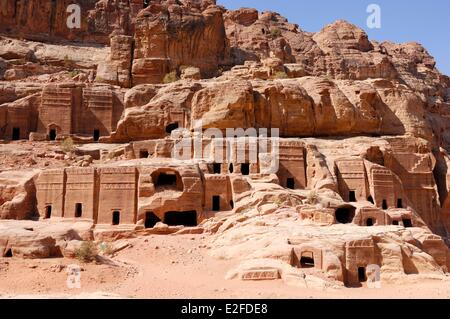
[(362, 277), (216, 203), (187, 218), (245, 169), (116, 218), (96, 135), (352, 196), (399, 203), (48, 211), (384, 205), (16, 133), (345, 215), (217, 168), (78, 210), (171, 127), (9, 253), (369, 222), (52, 135), (307, 262), (151, 219), (146, 3), (290, 183), (370, 199), (407, 223), (143, 154)]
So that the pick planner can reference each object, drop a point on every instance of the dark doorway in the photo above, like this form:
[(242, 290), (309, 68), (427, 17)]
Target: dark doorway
[(52, 135), (15, 134), (188, 218), (217, 168), (116, 218), (369, 222), (78, 210), (399, 203), (407, 223), (395, 223), (171, 127), (362, 274), (307, 262), (9, 253), (165, 179), (245, 169), (151, 220), (48, 212), (384, 205), (96, 135), (231, 168), (370, 199), (146, 3), (143, 154), (351, 196), (216, 203), (345, 215), (231, 204), (290, 183)]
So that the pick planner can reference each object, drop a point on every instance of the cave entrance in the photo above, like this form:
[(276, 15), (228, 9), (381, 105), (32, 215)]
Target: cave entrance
[(395, 223), (362, 277), (78, 210), (369, 222), (245, 169), (146, 3), (384, 205), (345, 215), (407, 223), (231, 168), (52, 135), (8, 253), (171, 127), (151, 219), (143, 154), (187, 218), (96, 135), (352, 196), (217, 168), (290, 183), (166, 179), (116, 218), (307, 260), (48, 211), (216, 203), (15, 134), (370, 199), (399, 203)]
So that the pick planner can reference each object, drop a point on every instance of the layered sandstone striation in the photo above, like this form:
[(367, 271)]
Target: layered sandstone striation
[(92, 120)]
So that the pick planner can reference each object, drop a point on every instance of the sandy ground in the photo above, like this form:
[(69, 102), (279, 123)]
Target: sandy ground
[(174, 267)]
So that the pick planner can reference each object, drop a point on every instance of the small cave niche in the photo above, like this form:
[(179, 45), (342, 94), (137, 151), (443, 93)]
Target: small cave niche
[(407, 223), (232, 204), (345, 214), (186, 218), (216, 203), (231, 168), (217, 168), (171, 127), (52, 135), (384, 204), (167, 179), (8, 253), (290, 183), (96, 135), (146, 3), (395, 223), (151, 219), (369, 222), (245, 169), (399, 203), (352, 196), (307, 260), (15, 134), (144, 153), (48, 212), (116, 218), (362, 276), (78, 210), (370, 199)]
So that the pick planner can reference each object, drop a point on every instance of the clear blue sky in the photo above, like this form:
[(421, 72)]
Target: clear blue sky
[(426, 22)]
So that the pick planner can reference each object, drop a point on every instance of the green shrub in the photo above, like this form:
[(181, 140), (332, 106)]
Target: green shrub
[(170, 77), (280, 75), (67, 145), (312, 197), (275, 33), (74, 73), (87, 252)]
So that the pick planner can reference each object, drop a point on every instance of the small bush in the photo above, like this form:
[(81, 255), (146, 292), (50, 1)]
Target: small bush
[(312, 198), (67, 145), (275, 33), (170, 77), (87, 252), (280, 75), (107, 249), (74, 73)]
